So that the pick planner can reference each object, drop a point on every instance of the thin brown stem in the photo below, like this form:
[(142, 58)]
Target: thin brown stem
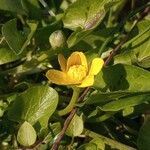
[(66, 124), (114, 51)]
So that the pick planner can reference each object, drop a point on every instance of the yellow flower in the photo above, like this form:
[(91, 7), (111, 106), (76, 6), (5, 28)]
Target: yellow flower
[(75, 70)]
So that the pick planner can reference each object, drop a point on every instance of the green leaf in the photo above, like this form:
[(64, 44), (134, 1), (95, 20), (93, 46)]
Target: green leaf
[(75, 127), (85, 14), (123, 77), (7, 55), (33, 26), (33, 9), (3, 107), (114, 145), (13, 6), (76, 36), (104, 97), (18, 40), (99, 142), (99, 37), (136, 50), (55, 129), (95, 38), (42, 35), (127, 111), (88, 146), (128, 85), (142, 44), (124, 103), (143, 142), (84, 18), (35, 105), (26, 135)]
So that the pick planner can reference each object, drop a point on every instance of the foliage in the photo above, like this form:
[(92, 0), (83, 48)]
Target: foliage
[(113, 113)]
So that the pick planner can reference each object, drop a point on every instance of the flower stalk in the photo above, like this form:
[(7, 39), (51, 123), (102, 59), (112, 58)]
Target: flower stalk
[(71, 105)]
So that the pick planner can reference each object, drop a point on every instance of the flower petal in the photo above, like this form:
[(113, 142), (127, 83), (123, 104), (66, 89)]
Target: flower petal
[(96, 66), (59, 77), (74, 59), (88, 81), (62, 61), (83, 59)]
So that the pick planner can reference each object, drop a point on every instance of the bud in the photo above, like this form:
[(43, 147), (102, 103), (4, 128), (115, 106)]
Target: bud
[(57, 39), (26, 135)]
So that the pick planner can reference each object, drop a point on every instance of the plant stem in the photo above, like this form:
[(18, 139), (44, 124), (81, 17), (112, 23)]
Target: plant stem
[(76, 92), (47, 7), (102, 48)]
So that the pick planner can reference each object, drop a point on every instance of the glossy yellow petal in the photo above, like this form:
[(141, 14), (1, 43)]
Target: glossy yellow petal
[(96, 66), (62, 61), (88, 81), (83, 59), (74, 59), (59, 77)]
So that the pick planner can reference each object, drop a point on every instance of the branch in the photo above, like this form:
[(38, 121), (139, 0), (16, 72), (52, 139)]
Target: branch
[(66, 124), (114, 51)]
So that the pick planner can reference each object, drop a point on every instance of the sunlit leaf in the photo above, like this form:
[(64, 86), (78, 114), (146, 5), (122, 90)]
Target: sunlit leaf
[(26, 134), (75, 127), (35, 105)]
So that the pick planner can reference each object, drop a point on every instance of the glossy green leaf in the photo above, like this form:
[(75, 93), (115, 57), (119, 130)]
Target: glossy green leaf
[(89, 146), (114, 145), (35, 105), (55, 129), (143, 142), (33, 9), (104, 97), (86, 14), (99, 142), (124, 103), (76, 36), (123, 77), (18, 40), (26, 135), (84, 18), (7, 55), (136, 50), (42, 35), (13, 6), (127, 111), (75, 127), (129, 87), (142, 44)]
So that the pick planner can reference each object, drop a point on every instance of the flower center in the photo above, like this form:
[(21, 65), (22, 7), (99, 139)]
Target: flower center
[(77, 72)]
